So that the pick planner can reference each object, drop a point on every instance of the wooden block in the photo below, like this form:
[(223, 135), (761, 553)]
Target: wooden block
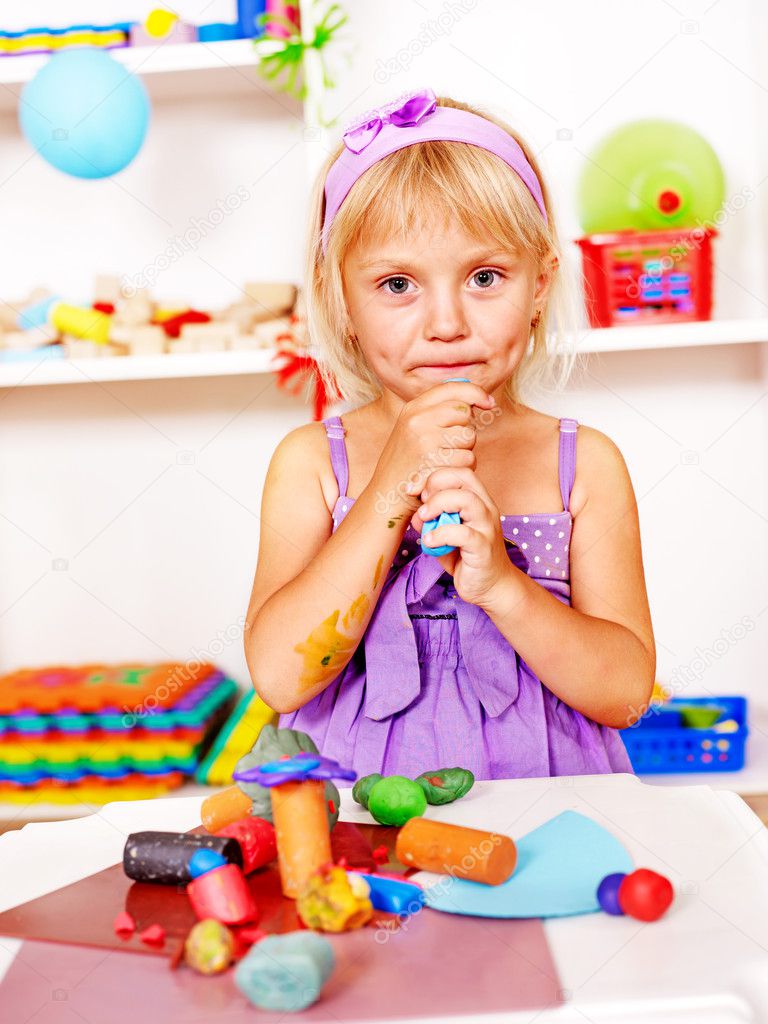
[(32, 338), (136, 310), (216, 336), (272, 299), (182, 345), (145, 341), (244, 314), (267, 333), (246, 343), (106, 288), (78, 348)]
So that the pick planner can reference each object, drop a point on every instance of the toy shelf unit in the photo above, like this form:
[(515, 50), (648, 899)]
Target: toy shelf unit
[(648, 277), (695, 734)]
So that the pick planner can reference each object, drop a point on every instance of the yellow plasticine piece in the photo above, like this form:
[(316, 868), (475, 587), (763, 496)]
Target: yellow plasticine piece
[(334, 901), (87, 324), (160, 22), (161, 315)]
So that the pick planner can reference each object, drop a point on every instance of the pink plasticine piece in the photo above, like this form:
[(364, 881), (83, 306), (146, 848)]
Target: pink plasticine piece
[(124, 924), (154, 935)]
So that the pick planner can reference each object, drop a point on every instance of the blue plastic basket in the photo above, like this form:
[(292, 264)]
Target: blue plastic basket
[(659, 744)]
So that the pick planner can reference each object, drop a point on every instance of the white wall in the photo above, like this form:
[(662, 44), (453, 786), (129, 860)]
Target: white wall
[(160, 553)]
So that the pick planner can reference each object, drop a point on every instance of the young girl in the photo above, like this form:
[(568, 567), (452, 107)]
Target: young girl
[(521, 652)]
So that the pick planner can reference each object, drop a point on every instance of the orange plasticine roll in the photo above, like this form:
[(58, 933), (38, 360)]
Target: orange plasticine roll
[(302, 832), (224, 808), (455, 850)]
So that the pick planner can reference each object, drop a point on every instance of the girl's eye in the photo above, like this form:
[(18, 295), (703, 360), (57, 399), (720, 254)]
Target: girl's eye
[(483, 277), (399, 281)]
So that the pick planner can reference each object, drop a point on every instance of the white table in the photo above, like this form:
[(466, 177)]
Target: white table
[(704, 962)]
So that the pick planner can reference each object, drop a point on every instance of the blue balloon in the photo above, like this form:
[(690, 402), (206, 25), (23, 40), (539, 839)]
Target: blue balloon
[(85, 113)]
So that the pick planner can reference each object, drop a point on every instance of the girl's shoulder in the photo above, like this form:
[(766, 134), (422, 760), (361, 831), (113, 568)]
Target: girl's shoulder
[(600, 465)]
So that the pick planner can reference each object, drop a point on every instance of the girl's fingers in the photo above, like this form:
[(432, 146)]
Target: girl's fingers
[(462, 500), (451, 477)]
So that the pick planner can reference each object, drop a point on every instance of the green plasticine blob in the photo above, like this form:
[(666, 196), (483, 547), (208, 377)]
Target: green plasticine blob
[(446, 785), (395, 800), (273, 744), (362, 788)]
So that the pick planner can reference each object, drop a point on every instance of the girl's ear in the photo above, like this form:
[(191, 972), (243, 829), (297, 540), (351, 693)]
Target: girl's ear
[(545, 280)]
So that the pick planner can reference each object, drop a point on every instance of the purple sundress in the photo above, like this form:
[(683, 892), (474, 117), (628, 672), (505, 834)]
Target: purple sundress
[(434, 684)]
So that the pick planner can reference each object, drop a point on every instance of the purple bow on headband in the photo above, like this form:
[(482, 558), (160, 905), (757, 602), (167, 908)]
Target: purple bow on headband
[(404, 112)]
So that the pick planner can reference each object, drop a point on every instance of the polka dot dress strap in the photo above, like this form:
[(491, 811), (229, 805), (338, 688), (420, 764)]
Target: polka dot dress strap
[(334, 428), (567, 458)]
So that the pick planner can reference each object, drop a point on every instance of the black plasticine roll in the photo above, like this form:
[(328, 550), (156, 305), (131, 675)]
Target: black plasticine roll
[(164, 856)]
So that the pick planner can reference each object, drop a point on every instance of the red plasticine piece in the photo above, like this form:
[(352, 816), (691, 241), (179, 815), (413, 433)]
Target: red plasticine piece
[(154, 935), (645, 894), (257, 840), (224, 895), (250, 935), (172, 326), (380, 855), (124, 924)]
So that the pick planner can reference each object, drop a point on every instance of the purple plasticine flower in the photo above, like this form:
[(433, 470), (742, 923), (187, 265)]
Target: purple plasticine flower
[(295, 769)]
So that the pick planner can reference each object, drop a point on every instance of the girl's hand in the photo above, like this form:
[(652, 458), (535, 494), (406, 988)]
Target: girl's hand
[(480, 561), (437, 428)]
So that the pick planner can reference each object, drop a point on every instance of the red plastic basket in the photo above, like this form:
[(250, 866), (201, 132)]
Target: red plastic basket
[(648, 276)]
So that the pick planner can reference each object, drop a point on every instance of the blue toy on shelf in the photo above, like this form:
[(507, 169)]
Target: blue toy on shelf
[(661, 742)]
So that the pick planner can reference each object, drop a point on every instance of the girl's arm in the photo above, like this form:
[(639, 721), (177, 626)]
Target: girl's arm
[(314, 591), (598, 655)]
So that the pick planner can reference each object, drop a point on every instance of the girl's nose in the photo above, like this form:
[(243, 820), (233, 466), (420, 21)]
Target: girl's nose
[(445, 317)]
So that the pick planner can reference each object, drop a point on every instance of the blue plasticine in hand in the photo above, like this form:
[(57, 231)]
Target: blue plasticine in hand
[(444, 517)]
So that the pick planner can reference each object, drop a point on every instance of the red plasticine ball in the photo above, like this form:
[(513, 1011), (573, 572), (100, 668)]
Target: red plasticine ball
[(645, 894)]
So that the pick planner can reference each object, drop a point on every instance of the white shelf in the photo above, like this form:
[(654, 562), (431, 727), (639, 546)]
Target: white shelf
[(681, 335), (222, 364), (163, 58), (115, 368)]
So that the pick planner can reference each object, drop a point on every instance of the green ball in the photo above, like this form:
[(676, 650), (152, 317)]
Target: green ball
[(395, 800), (650, 174)]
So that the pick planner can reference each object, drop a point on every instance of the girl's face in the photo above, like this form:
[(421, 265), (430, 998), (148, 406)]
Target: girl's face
[(444, 305)]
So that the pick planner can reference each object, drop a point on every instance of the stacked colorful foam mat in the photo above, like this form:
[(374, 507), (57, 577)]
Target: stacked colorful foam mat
[(96, 733)]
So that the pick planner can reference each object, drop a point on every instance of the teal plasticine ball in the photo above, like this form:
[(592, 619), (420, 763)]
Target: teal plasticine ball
[(286, 972), (85, 113), (395, 800), (650, 174)]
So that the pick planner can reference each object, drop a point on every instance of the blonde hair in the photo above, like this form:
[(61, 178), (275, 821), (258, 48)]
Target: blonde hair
[(460, 180)]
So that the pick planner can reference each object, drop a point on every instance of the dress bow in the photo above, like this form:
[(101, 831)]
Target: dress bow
[(393, 675)]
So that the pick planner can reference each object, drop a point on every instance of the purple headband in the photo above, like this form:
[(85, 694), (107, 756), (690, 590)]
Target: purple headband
[(380, 132)]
